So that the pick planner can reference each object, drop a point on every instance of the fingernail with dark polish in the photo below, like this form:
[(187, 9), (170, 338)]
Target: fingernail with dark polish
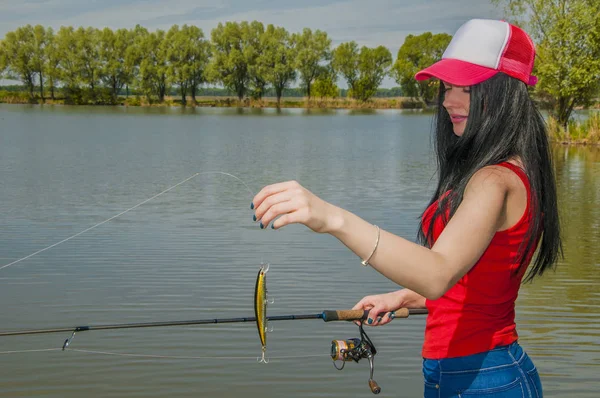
[(369, 321), (254, 217), (262, 226), (251, 206), (272, 226), (379, 319)]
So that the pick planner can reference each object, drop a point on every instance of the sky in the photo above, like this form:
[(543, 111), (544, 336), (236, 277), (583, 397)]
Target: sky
[(368, 22)]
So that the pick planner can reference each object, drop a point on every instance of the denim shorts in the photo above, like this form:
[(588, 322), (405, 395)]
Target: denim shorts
[(503, 372)]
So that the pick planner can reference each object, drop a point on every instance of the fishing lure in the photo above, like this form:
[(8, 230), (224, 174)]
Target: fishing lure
[(260, 308)]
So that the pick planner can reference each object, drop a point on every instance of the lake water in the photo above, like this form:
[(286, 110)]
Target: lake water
[(193, 252)]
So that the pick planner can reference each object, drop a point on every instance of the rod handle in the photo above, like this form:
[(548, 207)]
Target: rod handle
[(375, 389), (359, 315), (402, 313), (344, 315)]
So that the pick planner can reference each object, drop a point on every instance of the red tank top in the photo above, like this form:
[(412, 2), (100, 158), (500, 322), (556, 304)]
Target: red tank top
[(478, 313)]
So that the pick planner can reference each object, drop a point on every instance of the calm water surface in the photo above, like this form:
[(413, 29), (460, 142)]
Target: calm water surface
[(193, 253)]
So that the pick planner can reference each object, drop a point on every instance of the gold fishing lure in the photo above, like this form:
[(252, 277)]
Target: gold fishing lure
[(260, 307)]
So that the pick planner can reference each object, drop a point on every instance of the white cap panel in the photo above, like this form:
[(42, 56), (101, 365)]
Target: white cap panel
[(480, 42)]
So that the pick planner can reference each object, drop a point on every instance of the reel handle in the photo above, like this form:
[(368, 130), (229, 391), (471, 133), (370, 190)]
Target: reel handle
[(375, 389)]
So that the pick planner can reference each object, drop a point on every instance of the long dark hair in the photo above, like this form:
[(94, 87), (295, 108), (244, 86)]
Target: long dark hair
[(503, 123)]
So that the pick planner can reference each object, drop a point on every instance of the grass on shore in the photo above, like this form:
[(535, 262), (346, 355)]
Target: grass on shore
[(576, 132), (214, 101)]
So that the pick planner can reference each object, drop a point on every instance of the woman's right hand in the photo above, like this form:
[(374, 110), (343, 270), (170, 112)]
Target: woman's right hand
[(382, 306)]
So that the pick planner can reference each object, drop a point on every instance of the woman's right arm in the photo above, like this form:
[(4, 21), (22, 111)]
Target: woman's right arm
[(380, 306)]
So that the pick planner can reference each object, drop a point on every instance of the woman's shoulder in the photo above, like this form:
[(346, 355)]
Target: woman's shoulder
[(499, 178)]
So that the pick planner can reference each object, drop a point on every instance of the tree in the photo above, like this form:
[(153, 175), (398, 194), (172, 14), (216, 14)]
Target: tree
[(276, 62), (230, 63), (344, 60), (374, 66), (179, 54), (114, 47), (40, 56), (200, 57), (312, 50), (416, 53), (325, 87), (53, 61), (88, 57), (2, 60), (66, 49), (133, 57), (254, 43), (153, 72), (18, 50), (363, 70), (567, 36)]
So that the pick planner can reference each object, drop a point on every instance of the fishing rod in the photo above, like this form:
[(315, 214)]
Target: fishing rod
[(353, 349), (326, 316)]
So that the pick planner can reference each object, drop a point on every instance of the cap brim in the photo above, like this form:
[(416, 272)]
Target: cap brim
[(456, 72)]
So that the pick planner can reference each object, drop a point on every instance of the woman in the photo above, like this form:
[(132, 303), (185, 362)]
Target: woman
[(494, 205)]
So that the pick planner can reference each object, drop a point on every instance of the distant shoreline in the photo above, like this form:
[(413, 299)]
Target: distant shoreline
[(556, 135), (233, 102)]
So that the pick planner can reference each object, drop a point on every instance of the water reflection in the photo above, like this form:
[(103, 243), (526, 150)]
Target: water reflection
[(558, 314), (191, 254)]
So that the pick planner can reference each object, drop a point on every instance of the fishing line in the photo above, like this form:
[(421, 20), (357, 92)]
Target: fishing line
[(253, 358), (26, 351), (123, 354), (155, 356), (126, 211)]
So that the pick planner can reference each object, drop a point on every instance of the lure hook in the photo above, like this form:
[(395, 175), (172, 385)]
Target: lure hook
[(262, 359)]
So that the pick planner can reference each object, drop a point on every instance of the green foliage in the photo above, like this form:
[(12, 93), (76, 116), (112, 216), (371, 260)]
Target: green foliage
[(345, 60), (3, 59), (567, 36), (87, 57), (231, 59), (586, 132), (187, 55), (40, 57), (312, 50), (276, 61), (84, 64), (66, 52), (53, 71), (116, 69), (416, 53), (153, 71), (254, 48), (18, 49), (363, 70), (325, 87), (374, 64)]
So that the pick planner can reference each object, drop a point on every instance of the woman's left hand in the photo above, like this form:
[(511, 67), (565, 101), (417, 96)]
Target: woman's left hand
[(289, 203)]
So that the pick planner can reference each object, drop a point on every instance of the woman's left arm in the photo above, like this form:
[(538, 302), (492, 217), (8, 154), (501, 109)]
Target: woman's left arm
[(429, 272)]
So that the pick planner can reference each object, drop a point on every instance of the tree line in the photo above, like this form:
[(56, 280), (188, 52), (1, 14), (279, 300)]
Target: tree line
[(251, 60), (246, 58)]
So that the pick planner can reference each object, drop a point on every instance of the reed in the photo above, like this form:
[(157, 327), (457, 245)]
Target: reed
[(576, 132)]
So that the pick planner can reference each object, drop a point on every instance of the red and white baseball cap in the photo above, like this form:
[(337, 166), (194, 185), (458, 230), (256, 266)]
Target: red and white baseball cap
[(480, 49)]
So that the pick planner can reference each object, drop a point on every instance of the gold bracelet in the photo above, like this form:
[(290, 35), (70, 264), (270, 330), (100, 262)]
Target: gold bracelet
[(366, 262)]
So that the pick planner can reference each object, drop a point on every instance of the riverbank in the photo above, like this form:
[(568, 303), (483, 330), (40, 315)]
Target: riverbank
[(233, 102)]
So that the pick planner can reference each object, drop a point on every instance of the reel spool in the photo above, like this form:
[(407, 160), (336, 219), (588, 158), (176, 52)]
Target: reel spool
[(355, 349)]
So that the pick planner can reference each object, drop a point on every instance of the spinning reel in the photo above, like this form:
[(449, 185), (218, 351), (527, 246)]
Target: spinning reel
[(354, 350)]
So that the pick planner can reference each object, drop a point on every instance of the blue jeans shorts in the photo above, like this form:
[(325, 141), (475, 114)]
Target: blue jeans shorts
[(503, 372)]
